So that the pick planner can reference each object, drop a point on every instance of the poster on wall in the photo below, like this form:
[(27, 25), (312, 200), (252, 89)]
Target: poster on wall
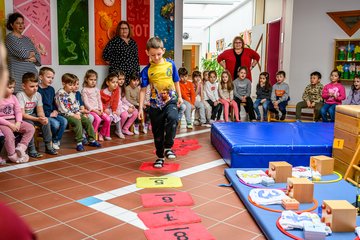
[(164, 24), (138, 16), (73, 32), (2, 21), (107, 16), (37, 25)]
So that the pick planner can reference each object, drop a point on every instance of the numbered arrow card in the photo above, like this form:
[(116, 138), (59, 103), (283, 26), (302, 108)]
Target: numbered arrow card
[(158, 182), (190, 231), (167, 217), (167, 199)]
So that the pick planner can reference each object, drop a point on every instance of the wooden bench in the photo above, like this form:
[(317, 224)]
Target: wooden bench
[(291, 110)]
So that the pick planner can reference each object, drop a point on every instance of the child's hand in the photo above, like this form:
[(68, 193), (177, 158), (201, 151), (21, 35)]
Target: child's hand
[(141, 114), (18, 124), (263, 100), (308, 103), (180, 101), (243, 98), (107, 111), (43, 120), (13, 127), (130, 110), (54, 113), (77, 116)]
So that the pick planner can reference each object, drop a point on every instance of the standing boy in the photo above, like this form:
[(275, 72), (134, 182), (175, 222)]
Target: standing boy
[(57, 122), (69, 107), (188, 94), (165, 95), (32, 109), (279, 96), (311, 97)]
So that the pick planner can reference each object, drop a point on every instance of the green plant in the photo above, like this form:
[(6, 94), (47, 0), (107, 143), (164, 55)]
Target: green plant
[(212, 64)]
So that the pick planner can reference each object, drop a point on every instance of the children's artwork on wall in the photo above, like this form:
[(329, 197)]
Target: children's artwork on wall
[(164, 24), (220, 45), (107, 16), (37, 25), (2, 20), (138, 16), (73, 32)]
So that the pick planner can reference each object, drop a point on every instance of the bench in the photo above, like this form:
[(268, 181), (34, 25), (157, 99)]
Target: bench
[(308, 113)]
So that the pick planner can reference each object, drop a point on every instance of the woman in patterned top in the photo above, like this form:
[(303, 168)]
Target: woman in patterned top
[(22, 54), (121, 52)]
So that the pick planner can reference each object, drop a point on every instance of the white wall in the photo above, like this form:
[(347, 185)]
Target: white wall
[(312, 41), (273, 10)]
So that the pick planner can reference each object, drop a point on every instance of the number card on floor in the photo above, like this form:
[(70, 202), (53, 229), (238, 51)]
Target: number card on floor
[(158, 182), (167, 217), (166, 199), (190, 231)]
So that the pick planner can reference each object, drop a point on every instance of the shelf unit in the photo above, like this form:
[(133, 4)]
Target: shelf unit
[(347, 57)]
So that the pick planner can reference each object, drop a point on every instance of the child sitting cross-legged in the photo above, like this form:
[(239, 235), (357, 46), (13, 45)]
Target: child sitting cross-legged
[(69, 107)]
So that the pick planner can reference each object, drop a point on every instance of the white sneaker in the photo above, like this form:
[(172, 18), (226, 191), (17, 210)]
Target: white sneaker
[(197, 123), (108, 138), (205, 125), (56, 145), (120, 134), (145, 128), (136, 129)]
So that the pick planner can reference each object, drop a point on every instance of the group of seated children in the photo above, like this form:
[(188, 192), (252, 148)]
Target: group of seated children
[(210, 99), (89, 113)]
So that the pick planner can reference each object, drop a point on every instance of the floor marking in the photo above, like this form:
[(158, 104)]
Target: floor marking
[(87, 153), (98, 202)]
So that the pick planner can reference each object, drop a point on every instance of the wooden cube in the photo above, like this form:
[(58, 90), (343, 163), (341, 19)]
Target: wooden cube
[(302, 189), (339, 215), (323, 164), (290, 204), (280, 171)]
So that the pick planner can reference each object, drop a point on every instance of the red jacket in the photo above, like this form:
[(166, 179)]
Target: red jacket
[(188, 91), (247, 56), (111, 101)]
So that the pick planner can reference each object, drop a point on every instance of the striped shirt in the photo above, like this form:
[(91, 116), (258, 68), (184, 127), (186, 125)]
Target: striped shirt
[(18, 51)]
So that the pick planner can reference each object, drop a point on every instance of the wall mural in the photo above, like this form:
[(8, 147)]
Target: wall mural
[(2, 21), (107, 16), (164, 24), (138, 16), (73, 32), (37, 25)]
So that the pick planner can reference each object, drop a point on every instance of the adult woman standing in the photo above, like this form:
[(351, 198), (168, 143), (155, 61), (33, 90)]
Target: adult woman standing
[(22, 54), (238, 56), (121, 52)]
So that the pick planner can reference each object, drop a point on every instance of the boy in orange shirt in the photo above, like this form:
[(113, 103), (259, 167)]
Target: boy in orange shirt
[(188, 94)]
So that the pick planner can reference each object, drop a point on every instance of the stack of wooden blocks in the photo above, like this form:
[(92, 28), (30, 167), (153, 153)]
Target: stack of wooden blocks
[(347, 129)]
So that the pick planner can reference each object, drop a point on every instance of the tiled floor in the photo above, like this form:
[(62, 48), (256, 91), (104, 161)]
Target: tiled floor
[(45, 193)]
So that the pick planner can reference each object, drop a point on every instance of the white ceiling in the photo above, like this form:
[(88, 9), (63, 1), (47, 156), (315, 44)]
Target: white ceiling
[(201, 13)]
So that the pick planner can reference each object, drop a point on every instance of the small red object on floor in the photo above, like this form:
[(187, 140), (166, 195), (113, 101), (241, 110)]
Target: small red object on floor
[(166, 199), (168, 167)]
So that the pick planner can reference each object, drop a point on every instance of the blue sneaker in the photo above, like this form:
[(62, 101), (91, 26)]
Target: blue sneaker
[(85, 141), (80, 148), (94, 144)]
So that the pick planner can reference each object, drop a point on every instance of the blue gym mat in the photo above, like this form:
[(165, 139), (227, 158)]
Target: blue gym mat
[(266, 220), (255, 144)]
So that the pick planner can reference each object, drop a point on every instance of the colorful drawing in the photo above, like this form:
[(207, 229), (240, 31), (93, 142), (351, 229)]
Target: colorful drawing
[(37, 25), (2, 21), (164, 24), (73, 32), (107, 16), (138, 16)]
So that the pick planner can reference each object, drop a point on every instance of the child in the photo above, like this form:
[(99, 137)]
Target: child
[(311, 97), (11, 123), (110, 100), (128, 112), (163, 77), (188, 95), (207, 106), (57, 122), (92, 101), (279, 96), (200, 111), (226, 94), (354, 94), (146, 109), (132, 95), (333, 94), (263, 95), (2, 140), (32, 109), (212, 97), (69, 107), (242, 91)]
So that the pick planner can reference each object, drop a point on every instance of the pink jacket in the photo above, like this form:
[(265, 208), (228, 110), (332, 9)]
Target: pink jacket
[(92, 98), (337, 89), (10, 109), (124, 104)]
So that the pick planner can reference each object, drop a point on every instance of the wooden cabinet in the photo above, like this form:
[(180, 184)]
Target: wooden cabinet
[(347, 58)]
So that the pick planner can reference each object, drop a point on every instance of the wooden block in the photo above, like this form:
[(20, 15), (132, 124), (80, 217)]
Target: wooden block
[(290, 204), (280, 171), (302, 189), (344, 154), (351, 110), (323, 164), (347, 123), (340, 166), (350, 140), (339, 215)]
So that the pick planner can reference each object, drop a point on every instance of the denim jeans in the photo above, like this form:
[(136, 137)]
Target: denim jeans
[(58, 125), (265, 106), (328, 108)]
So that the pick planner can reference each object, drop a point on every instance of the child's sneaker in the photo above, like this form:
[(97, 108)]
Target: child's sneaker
[(283, 116), (108, 138), (120, 134), (127, 132), (145, 128), (136, 129), (80, 148), (159, 163), (85, 141), (21, 150), (94, 144), (197, 123), (35, 155), (189, 126), (101, 138), (56, 145), (51, 151), (169, 154), (2, 161), (205, 125), (277, 117)]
